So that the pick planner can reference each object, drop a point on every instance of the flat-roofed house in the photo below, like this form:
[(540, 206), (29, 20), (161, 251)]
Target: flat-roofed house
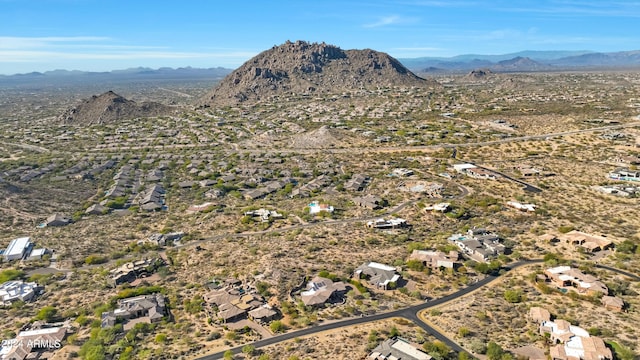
[(17, 248)]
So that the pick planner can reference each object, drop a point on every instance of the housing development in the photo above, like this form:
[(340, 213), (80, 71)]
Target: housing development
[(321, 203)]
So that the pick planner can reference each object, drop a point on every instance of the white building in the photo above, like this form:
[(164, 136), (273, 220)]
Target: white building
[(17, 248), (17, 290)]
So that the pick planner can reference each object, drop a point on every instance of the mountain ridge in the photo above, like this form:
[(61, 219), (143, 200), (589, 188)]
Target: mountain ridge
[(310, 68)]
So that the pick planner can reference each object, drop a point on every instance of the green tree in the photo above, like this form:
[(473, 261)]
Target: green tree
[(626, 247), (277, 326), (249, 350), (47, 313), (513, 296), (228, 355), (494, 351)]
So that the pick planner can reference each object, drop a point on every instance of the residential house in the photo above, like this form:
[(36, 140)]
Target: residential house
[(264, 214), (522, 207), (368, 201), (613, 303), (263, 314), (316, 207), (397, 349), (381, 223), (566, 277), (320, 290), (574, 342), (357, 182), (130, 271), (17, 249), (314, 185), (234, 302), (97, 209), (35, 342), (402, 172), (145, 308), (591, 243), (481, 173), (57, 220), (18, 290), (623, 190), (440, 207), (539, 315), (379, 275), (624, 174), (479, 244), (152, 198), (436, 259)]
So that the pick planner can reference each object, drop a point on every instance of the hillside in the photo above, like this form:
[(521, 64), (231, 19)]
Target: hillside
[(110, 107), (311, 68)]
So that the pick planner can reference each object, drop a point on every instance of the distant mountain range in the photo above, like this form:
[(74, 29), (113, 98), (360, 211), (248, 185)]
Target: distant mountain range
[(139, 74), (527, 61), (523, 61)]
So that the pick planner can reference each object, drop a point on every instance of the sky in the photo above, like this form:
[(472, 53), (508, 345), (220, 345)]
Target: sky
[(88, 35)]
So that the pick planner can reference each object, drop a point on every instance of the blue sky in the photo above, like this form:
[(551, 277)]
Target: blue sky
[(40, 35)]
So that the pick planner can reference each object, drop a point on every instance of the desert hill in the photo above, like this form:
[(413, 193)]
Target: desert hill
[(311, 68), (110, 107)]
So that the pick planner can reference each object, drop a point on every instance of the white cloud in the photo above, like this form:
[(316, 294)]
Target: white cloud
[(14, 42), (389, 20)]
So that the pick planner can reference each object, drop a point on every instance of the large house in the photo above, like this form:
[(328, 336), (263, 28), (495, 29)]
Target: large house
[(17, 249), (479, 244), (130, 271), (379, 275), (574, 342), (566, 277), (17, 290), (320, 290), (590, 243), (236, 302), (145, 308)]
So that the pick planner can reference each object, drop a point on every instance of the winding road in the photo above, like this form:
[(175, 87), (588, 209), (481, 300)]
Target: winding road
[(409, 313)]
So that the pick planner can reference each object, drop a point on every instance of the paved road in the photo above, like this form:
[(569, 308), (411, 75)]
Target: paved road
[(621, 272), (410, 313), (527, 186)]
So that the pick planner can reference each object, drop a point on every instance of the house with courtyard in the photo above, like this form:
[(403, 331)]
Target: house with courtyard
[(567, 277), (479, 244), (233, 302), (573, 342), (588, 242)]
